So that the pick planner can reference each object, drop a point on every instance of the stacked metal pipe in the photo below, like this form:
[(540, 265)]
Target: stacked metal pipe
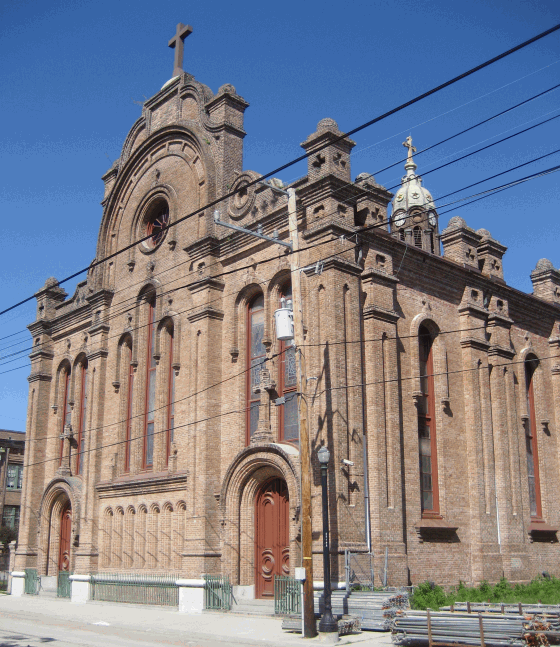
[(505, 608), (375, 609), (511, 630)]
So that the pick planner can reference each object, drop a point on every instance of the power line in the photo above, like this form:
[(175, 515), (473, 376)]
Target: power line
[(466, 130), (315, 151), (486, 193), (355, 183), (479, 150), (317, 394)]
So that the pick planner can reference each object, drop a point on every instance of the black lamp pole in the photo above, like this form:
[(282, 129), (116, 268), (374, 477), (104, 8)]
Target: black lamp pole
[(327, 622)]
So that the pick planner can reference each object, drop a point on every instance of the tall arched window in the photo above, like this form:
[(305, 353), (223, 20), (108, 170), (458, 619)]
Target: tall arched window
[(170, 396), (417, 237), (149, 411), (66, 411), (535, 505), (127, 352), (82, 411), (287, 383), (427, 426), (255, 354)]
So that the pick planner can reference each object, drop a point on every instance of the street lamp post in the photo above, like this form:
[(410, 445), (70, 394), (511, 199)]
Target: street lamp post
[(327, 624)]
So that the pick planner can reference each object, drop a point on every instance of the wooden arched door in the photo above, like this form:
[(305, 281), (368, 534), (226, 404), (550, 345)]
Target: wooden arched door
[(272, 536), (65, 538)]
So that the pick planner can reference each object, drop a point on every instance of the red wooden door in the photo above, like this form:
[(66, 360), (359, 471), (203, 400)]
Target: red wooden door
[(65, 533), (272, 536)]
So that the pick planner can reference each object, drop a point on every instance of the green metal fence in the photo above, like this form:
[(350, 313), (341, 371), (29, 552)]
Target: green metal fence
[(32, 582), (287, 595), (217, 592), (136, 588), (63, 585)]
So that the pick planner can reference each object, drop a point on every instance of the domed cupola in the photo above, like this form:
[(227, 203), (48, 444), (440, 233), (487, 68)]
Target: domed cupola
[(414, 218)]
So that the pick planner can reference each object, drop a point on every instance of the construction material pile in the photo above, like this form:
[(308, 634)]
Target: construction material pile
[(490, 629), (375, 609), (503, 608)]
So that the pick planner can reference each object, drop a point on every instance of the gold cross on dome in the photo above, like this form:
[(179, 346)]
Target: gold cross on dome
[(177, 43), (408, 144)]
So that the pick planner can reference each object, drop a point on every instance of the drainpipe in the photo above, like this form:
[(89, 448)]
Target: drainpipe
[(364, 434)]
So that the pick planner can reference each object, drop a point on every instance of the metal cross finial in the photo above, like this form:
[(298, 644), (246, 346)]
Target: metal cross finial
[(177, 43), (408, 144)]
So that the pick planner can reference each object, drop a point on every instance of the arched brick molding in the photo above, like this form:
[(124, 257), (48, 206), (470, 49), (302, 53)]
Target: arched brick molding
[(248, 472), (56, 497)]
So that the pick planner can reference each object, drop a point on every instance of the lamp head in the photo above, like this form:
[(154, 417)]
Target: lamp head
[(323, 455)]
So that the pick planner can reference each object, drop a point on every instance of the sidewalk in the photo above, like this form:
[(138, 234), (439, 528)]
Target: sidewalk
[(170, 627)]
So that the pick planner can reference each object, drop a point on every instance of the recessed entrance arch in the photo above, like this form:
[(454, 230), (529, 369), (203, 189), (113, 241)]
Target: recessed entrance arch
[(272, 541)]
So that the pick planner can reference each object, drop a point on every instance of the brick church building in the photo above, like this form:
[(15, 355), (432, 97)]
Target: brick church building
[(157, 440)]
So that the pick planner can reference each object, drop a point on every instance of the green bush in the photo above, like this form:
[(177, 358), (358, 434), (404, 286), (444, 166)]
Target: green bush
[(546, 589)]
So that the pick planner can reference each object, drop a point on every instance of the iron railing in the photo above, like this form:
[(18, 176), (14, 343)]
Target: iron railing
[(135, 588), (63, 585), (287, 595), (217, 592), (32, 581)]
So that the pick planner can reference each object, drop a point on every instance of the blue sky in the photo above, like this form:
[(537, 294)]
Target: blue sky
[(75, 72)]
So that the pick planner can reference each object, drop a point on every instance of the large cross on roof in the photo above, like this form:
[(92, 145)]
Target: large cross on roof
[(177, 43)]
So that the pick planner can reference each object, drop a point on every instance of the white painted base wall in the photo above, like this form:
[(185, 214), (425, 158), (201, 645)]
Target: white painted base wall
[(191, 596), (81, 591), (18, 583)]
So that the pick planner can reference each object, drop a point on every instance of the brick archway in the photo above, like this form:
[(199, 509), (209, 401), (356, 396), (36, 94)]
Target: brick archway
[(245, 481)]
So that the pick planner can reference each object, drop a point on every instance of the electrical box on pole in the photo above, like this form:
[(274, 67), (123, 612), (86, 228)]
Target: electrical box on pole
[(284, 320)]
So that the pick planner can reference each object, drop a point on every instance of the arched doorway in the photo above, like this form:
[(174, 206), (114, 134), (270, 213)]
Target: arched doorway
[(65, 537), (272, 542)]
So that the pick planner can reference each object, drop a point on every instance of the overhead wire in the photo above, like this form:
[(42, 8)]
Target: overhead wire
[(486, 193), (304, 345), (355, 183), (300, 158)]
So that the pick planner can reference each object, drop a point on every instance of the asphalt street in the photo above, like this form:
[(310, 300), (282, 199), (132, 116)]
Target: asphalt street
[(31, 621)]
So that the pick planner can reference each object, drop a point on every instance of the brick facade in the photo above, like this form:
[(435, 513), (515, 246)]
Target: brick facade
[(192, 509)]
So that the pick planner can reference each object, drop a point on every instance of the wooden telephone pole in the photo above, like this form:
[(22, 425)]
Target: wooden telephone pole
[(309, 625)]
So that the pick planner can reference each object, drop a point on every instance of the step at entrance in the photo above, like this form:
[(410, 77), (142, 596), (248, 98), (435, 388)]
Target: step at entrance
[(254, 607)]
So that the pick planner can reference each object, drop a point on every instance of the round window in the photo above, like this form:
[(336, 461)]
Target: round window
[(156, 222)]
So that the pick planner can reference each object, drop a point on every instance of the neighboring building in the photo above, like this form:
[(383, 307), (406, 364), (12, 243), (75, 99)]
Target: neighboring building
[(12, 444), (155, 444)]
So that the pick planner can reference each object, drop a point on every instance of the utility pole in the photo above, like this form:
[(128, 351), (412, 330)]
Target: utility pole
[(309, 625)]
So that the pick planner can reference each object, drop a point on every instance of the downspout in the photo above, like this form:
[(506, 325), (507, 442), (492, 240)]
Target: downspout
[(364, 434)]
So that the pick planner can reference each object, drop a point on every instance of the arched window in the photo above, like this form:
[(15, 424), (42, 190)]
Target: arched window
[(427, 426), (66, 411), (149, 410), (127, 353), (417, 237), (535, 505), (255, 354), (170, 396), (82, 411), (287, 383), (402, 235)]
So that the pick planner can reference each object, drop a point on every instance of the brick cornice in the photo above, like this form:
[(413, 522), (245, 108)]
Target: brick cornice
[(39, 376), (206, 312), (142, 484), (381, 314), (501, 351), (475, 342), (206, 283), (96, 354), (205, 246)]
